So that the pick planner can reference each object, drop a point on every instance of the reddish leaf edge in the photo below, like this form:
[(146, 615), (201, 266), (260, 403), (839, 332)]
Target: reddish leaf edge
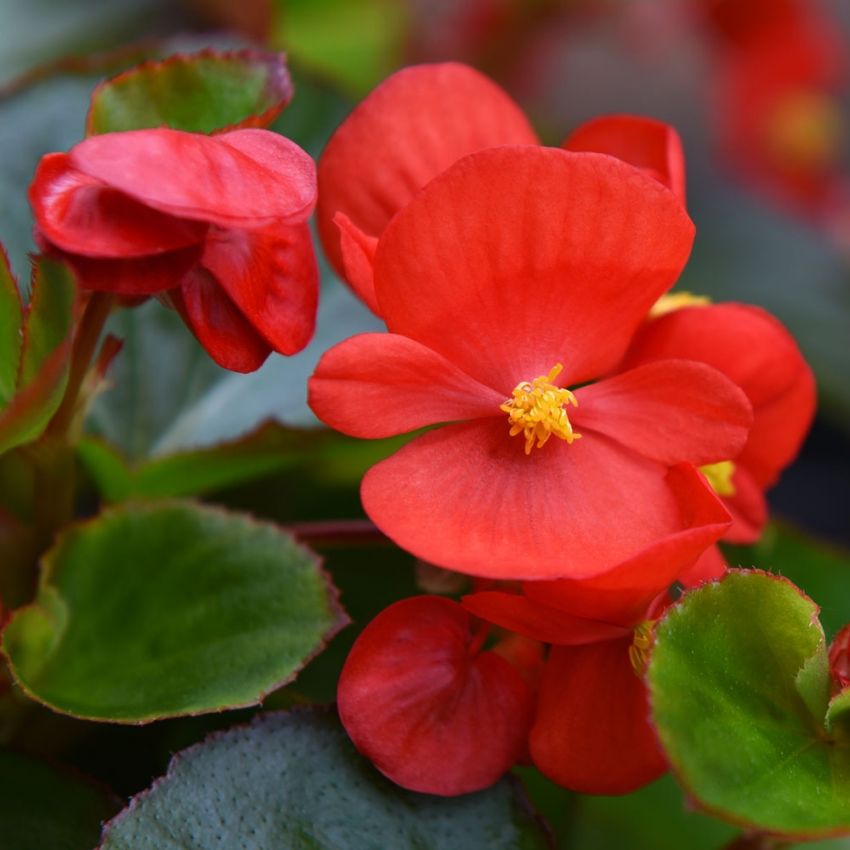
[(276, 62), (691, 797), (324, 711), (340, 616)]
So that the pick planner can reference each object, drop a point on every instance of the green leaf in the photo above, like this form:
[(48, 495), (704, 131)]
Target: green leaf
[(202, 93), (355, 43), (11, 319), (295, 781), (42, 807), (161, 610), (820, 569), (269, 449), (733, 710)]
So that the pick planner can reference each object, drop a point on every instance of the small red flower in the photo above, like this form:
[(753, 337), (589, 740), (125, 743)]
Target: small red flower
[(518, 272), (215, 225)]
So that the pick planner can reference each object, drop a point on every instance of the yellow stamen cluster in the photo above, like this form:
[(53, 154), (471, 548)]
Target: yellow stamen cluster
[(719, 475), (641, 644), (536, 410), (675, 301)]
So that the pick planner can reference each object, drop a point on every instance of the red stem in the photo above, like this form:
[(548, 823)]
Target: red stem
[(338, 532)]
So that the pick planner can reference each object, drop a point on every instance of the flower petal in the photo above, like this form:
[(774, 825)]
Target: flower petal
[(624, 594), (358, 260), (542, 256), (79, 214), (538, 620), (409, 129), (653, 146), (748, 508), (564, 510), (754, 350), (379, 385), (430, 714), (592, 732), (243, 178), (214, 319), (710, 566), (672, 411), (271, 275)]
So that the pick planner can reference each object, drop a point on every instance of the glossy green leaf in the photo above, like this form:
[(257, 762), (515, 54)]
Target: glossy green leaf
[(202, 93), (295, 781), (11, 318), (739, 702), (168, 609), (355, 43), (42, 807), (269, 449)]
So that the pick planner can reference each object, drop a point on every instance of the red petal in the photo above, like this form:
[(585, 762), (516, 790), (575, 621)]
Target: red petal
[(432, 715), (564, 510), (643, 142), (135, 276), (625, 593), (748, 508), (270, 274), (358, 260), (409, 129), (756, 352), (672, 411), (247, 177), (219, 326), (79, 214), (710, 567), (539, 621), (541, 256), (592, 731), (379, 385)]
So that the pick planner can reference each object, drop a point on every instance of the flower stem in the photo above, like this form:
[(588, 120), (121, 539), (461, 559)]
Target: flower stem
[(338, 532)]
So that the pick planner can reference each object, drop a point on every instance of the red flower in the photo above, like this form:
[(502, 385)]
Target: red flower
[(518, 272), (839, 660), (216, 225), (422, 120)]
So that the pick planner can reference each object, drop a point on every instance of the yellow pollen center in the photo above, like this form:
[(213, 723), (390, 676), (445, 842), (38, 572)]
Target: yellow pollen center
[(719, 476), (803, 130), (675, 301), (537, 410), (641, 644)]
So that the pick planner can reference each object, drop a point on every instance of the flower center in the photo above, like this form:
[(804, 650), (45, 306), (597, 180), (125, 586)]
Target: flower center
[(536, 410), (641, 644), (719, 475)]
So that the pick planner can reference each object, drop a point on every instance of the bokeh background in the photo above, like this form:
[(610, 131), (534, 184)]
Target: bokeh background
[(759, 91)]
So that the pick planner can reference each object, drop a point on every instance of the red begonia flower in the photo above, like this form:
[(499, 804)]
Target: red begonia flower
[(839, 659), (412, 127), (514, 261), (652, 146), (755, 351), (427, 706), (216, 225)]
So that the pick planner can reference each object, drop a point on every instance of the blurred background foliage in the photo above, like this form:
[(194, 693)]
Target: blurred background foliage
[(565, 61)]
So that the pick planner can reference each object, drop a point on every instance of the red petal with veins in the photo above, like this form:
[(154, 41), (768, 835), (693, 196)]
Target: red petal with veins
[(564, 510), (533, 277), (379, 385), (81, 215), (223, 331), (592, 732), (408, 130), (244, 178), (673, 411), (270, 274), (652, 146), (432, 713), (358, 260)]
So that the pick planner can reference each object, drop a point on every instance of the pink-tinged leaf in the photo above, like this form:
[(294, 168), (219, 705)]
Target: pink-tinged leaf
[(206, 92), (11, 318)]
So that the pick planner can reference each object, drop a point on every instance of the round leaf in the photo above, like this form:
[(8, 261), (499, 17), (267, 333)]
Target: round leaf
[(295, 781), (160, 610), (739, 691), (201, 93)]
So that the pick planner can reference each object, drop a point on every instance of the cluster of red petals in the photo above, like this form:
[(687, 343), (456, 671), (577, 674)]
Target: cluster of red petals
[(491, 259), (215, 225)]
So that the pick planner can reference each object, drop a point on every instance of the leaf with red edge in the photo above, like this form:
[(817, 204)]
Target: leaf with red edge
[(11, 317), (432, 712), (202, 92)]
